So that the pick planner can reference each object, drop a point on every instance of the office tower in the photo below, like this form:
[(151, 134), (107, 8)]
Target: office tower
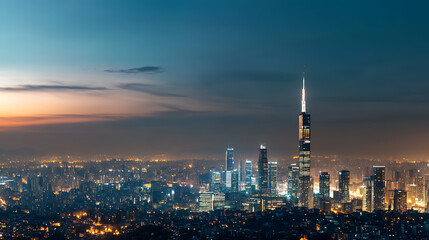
[(230, 181), (272, 178), (367, 194), (229, 164), (215, 181), (218, 201), (205, 202), (400, 200), (235, 182), (156, 193), (263, 171), (324, 185), (378, 193), (240, 174), (248, 176), (343, 185), (420, 190), (304, 153), (293, 183)]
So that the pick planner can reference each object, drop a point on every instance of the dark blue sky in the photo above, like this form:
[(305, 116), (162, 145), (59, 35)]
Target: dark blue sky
[(188, 78)]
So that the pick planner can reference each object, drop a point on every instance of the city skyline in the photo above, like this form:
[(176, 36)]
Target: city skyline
[(134, 78), (283, 120)]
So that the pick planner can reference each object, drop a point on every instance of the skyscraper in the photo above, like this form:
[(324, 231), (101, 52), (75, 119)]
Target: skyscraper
[(378, 188), (293, 183), (343, 185), (272, 178), (304, 153), (400, 200), (248, 176), (324, 185), (229, 162), (215, 181), (367, 194), (420, 189), (263, 171)]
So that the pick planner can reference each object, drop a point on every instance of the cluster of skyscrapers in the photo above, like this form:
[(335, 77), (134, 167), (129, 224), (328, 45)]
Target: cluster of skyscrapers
[(234, 180), (262, 182)]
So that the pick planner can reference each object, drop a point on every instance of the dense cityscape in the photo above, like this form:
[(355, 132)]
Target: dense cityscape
[(214, 120), (65, 197)]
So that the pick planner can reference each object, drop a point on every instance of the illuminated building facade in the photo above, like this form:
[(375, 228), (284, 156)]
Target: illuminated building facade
[(272, 178), (304, 193), (324, 185), (344, 185), (248, 176), (293, 183)]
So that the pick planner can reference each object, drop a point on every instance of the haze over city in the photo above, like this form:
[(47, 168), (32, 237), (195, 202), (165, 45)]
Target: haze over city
[(186, 79)]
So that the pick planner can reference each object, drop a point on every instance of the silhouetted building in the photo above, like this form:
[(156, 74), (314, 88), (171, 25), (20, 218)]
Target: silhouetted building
[(263, 171), (400, 200), (378, 185)]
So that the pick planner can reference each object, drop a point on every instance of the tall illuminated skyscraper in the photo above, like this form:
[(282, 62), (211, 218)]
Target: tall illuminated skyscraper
[(263, 171), (378, 186), (229, 162), (304, 153)]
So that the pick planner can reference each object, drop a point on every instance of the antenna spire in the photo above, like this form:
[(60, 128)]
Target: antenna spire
[(303, 107)]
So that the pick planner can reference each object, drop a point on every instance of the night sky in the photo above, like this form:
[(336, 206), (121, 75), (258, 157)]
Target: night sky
[(186, 79)]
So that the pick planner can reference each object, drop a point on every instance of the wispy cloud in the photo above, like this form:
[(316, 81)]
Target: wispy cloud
[(150, 89), (13, 122), (51, 87), (145, 69)]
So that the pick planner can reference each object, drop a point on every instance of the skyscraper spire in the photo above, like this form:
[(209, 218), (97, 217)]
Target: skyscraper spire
[(303, 107)]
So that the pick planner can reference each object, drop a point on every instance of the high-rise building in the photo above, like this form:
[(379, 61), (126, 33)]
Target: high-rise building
[(272, 178), (215, 181), (324, 185), (367, 194), (304, 153), (420, 190), (400, 200), (230, 180), (344, 185), (229, 162), (240, 174), (156, 193), (293, 183), (263, 171), (248, 176), (378, 185)]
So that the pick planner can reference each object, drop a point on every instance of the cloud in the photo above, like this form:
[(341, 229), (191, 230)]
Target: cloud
[(148, 88), (15, 122), (51, 87), (145, 69)]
